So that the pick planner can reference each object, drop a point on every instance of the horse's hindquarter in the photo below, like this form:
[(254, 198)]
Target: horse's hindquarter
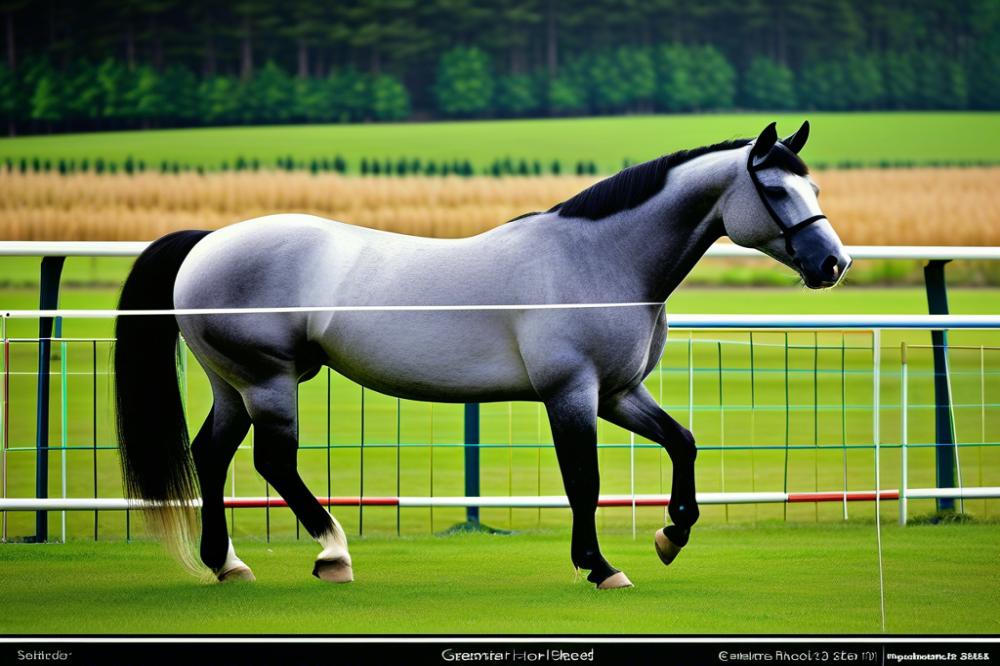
[(255, 264)]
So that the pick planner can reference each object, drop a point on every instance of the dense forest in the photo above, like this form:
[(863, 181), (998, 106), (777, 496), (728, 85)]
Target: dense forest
[(107, 64)]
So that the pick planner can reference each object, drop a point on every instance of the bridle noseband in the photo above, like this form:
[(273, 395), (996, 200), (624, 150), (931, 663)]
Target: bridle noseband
[(786, 232)]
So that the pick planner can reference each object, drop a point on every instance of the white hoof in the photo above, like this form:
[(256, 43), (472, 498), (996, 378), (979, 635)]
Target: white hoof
[(334, 564), (237, 575), (615, 581), (334, 571), (234, 569)]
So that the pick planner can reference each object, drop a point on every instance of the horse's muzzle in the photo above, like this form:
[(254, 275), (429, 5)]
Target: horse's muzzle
[(820, 259)]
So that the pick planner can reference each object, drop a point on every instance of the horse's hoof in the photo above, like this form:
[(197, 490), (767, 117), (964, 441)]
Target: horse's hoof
[(665, 548), (334, 571), (614, 582), (236, 575)]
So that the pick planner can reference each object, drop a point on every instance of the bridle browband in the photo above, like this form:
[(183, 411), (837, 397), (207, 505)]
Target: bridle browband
[(786, 232)]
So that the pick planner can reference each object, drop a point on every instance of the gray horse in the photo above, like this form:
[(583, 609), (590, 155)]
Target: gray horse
[(628, 239)]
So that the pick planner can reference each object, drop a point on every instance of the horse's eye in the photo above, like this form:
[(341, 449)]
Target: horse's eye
[(775, 192)]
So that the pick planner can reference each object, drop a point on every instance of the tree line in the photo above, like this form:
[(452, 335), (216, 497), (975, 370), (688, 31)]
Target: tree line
[(141, 63)]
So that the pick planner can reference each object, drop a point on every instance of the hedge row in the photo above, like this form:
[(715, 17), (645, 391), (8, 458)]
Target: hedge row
[(395, 167)]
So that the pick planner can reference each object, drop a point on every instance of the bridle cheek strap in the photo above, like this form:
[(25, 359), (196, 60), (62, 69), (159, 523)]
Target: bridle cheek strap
[(786, 232)]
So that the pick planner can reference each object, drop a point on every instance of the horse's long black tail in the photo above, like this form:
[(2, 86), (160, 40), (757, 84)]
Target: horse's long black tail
[(152, 433)]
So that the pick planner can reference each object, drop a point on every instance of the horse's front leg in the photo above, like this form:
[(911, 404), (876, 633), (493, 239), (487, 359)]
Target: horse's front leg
[(573, 418), (636, 410)]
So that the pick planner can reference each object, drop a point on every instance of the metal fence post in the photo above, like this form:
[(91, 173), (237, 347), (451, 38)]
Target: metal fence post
[(904, 438), (937, 303), (472, 459), (48, 300)]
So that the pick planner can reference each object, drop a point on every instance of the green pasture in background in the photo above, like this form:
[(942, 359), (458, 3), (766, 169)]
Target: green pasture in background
[(23, 272), (826, 408), (856, 138)]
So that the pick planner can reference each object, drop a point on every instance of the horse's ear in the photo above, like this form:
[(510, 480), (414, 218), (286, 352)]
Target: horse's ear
[(795, 142), (764, 143)]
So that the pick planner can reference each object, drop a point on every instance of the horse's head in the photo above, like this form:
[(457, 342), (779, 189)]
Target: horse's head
[(772, 207)]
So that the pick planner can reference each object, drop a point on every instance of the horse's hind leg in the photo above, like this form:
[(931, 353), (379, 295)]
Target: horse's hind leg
[(636, 410), (213, 450), (272, 407)]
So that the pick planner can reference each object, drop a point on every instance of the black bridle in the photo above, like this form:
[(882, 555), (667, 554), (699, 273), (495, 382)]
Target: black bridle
[(787, 232)]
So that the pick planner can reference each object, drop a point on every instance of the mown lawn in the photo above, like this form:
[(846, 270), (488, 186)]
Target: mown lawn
[(867, 138), (773, 578)]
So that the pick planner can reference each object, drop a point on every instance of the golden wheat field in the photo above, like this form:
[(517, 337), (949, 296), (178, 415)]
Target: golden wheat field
[(869, 207)]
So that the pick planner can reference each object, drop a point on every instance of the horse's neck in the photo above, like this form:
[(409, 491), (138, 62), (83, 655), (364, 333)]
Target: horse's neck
[(665, 237)]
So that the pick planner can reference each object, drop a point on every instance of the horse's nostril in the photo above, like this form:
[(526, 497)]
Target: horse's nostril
[(830, 267)]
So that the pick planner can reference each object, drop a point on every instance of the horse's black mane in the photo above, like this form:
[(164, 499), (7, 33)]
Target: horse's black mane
[(633, 186)]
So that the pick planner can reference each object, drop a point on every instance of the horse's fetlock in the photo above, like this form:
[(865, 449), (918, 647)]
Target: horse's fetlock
[(213, 553), (585, 559), (684, 514)]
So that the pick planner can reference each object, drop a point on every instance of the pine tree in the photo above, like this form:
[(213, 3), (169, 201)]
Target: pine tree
[(518, 95), (713, 78), (464, 83), (46, 104), (389, 99), (768, 85), (676, 89), (145, 99)]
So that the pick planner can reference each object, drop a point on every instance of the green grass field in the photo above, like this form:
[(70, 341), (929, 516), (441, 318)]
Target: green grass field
[(837, 137), (801, 420), (765, 568), (772, 578)]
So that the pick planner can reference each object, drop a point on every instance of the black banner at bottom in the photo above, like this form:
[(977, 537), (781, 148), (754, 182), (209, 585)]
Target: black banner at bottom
[(707, 651)]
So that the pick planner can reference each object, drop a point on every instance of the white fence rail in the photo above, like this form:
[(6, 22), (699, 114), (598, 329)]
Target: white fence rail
[(679, 321), (511, 501)]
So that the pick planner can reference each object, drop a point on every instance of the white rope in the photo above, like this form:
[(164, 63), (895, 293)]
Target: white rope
[(305, 309), (678, 321)]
